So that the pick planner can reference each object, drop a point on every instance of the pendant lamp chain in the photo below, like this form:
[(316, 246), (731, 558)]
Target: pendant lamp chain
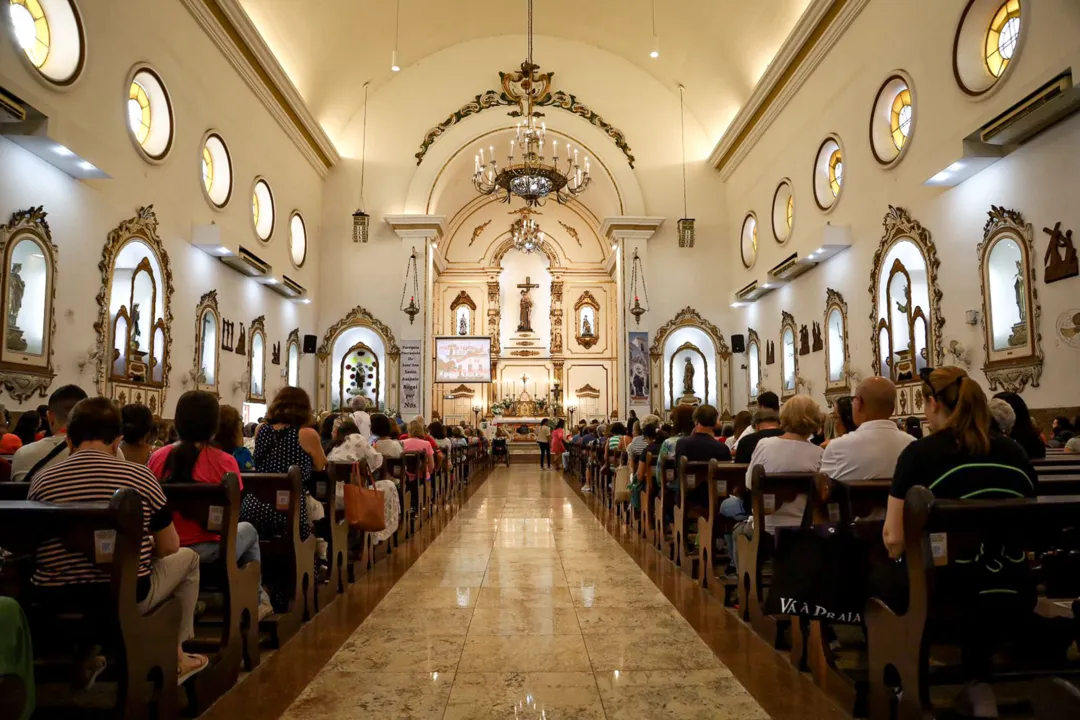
[(686, 224), (361, 220)]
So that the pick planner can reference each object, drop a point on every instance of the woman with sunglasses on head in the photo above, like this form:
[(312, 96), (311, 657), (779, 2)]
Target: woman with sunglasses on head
[(962, 460)]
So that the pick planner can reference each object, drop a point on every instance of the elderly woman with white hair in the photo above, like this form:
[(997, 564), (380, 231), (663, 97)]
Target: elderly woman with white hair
[(1004, 416), (800, 418), (358, 405)]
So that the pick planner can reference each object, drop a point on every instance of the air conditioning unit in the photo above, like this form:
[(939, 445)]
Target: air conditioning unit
[(1046, 106), (285, 286), (212, 241), (248, 263), (11, 108), (789, 268)]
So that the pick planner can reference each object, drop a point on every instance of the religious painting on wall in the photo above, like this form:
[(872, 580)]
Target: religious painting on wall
[(639, 367), (410, 378)]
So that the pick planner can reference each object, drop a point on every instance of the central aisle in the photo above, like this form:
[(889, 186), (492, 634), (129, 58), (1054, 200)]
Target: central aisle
[(525, 607)]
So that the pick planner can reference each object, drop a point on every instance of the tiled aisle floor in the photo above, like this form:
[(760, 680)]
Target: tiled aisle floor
[(525, 607)]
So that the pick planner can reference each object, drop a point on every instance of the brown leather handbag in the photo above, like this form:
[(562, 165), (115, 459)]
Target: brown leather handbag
[(364, 506)]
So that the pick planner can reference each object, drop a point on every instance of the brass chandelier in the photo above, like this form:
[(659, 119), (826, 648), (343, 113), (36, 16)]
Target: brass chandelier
[(529, 174)]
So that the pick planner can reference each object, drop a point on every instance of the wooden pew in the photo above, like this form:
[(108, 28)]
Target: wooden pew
[(900, 640), (769, 494), (357, 553), (844, 503), (725, 480), (14, 490), (694, 503), (415, 464), (233, 638), (337, 539), (294, 558), (394, 469), (141, 648), (646, 469), (665, 499)]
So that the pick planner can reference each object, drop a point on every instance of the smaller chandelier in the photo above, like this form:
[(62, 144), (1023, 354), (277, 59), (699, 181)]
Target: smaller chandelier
[(525, 233)]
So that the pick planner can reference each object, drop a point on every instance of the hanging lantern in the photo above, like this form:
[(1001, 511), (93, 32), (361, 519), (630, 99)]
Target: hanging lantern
[(686, 224), (361, 221), (686, 232), (360, 225), (412, 309), (637, 309)]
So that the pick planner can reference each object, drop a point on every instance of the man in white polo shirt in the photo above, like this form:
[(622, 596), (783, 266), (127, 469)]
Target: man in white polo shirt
[(870, 451)]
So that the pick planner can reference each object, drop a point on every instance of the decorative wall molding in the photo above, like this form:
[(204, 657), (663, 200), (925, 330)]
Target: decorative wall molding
[(689, 317), (463, 299), (572, 232), (477, 230), (231, 30), (822, 24), (361, 317), (512, 97)]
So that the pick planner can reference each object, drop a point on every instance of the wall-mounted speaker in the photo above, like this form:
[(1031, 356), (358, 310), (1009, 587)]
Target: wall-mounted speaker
[(309, 344), (738, 343)]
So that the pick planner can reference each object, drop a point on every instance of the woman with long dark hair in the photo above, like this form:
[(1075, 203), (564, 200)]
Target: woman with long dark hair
[(543, 440), (195, 459), (138, 433), (26, 427), (1023, 430)]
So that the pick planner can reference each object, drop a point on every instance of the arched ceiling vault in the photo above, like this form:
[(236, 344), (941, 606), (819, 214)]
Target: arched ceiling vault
[(717, 48)]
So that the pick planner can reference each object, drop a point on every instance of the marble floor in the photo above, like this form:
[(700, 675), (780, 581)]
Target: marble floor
[(524, 606)]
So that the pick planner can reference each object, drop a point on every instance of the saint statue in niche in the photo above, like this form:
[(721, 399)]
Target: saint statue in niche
[(135, 330), (462, 329), (818, 345), (688, 377), (1019, 335), (586, 327), (1060, 261), (15, 340), (525, 306)]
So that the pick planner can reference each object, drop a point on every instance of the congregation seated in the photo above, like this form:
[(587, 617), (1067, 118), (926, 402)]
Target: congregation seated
[(701, 444), (1023, 429), (1061, 432), (350, 446), (195, 459), (648, 426), (766, 424), (27, 427), (417, 441), (9, 441), (789, 452), (93, 473), (230, 438), (961, 459), (138, 433), (284, 440), (840, 421), (384, 436), (682, 421), (767, 400), (874, 442), (31, 459), (326, 430)]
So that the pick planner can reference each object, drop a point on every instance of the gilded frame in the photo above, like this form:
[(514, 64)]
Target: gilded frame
[(143, 227), (257, 328), (834, 301), (23, 378), (787, 322), (292, 341), (1014, 368), (752, 340), (587, 300), (208, 304)]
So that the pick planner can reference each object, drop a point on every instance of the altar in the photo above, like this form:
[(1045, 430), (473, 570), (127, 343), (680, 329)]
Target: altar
[(513, 427)]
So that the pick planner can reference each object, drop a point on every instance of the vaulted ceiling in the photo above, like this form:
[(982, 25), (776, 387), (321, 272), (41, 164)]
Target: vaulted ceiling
[(718, 49)]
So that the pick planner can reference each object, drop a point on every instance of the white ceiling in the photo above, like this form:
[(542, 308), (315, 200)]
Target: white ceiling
[(717, 48)]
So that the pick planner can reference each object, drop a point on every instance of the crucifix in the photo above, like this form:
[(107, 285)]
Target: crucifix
[(525, 320)]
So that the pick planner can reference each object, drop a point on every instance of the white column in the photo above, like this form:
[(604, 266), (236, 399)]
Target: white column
[(421, 233), (627, 235)]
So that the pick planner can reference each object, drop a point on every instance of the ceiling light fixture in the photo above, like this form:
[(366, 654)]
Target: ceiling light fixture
[(655, 38), (685, 224), (361, 220), (531, 177), (394, 66), (525, 233)]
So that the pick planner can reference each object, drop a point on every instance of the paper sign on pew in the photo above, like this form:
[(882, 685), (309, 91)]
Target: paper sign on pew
[(215, 517), (104, 546)]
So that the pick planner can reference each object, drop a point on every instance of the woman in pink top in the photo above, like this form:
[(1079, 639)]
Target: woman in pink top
[(194, 459), (417, 441)]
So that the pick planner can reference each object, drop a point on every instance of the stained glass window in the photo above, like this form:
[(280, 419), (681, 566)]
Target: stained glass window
[(31, 29), (1002, 37), (139, 112), (836, 172), (900, 124)]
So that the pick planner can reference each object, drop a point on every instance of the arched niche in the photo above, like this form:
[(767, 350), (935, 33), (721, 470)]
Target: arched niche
[(292, 358), (789, 356), (689, 326), (837, 352), (463, 314), (587, 320), (207, 367), (358, 330), (134, 314), (1012, 347), (28, 292), (753, 367), (256, 392), (905, 313)]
